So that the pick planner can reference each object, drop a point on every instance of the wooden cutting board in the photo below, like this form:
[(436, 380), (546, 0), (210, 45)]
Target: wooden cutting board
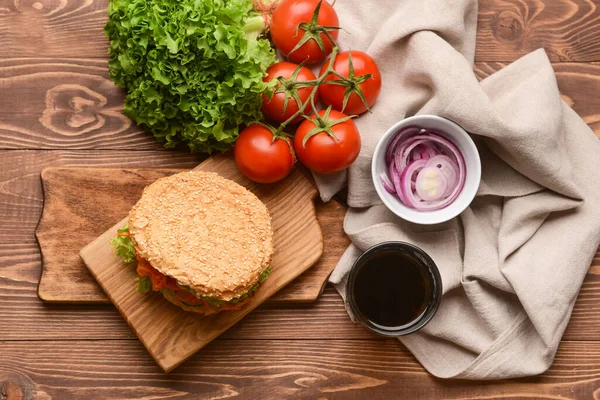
[(170, 334), (82, 203)]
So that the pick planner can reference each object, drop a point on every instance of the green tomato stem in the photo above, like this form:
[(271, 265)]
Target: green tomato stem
[(315, 83)]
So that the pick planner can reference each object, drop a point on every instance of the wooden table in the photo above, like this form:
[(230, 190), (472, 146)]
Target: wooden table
[(57, 107)]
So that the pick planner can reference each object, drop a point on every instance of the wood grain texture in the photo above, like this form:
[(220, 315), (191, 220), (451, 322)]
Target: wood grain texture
[(79, 205), (272, 369), (82, 203), (507, 29), (21, 202), (53, 28), (308, 286), (71, 104), (567, 29), (64, 104), (21, 197), (47, 44), (24, 316), (171, 334)]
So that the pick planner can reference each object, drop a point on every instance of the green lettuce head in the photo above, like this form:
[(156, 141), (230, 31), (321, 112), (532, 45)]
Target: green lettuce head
[(193, 69)]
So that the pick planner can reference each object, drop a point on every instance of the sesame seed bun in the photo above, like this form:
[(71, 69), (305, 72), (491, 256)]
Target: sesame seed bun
[(205, 231)]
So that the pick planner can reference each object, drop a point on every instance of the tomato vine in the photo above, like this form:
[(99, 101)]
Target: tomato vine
[(290, 86)]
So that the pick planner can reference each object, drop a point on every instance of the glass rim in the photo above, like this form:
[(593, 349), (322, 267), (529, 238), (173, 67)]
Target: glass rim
[(432, 274)]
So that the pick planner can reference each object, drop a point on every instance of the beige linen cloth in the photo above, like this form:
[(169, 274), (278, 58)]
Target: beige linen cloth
[(513, 262)]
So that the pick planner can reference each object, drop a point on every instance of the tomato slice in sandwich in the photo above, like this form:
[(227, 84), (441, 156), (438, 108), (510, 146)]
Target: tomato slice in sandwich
[(171, 283), (189, 298)]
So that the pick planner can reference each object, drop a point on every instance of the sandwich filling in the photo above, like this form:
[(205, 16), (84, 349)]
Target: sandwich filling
[(205, 242), (150, 279)]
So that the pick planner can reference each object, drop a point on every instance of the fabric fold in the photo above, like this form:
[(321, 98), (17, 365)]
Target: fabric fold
[(513, 262)]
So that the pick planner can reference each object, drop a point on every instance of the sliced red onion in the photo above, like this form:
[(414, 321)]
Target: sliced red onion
[(417, 155), (426, 170), (423, 153), (406, 181), (410, 130), (431, 184), (449, 168), (432, 151), (395, 175), (405, 151), (387, 185)]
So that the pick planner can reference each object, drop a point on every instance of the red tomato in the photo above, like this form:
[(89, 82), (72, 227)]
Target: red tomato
[(273, 108), (260, 158), (158, 279), (323, 153), (171, 283), (363, 65), (286, 19), (189, 298)]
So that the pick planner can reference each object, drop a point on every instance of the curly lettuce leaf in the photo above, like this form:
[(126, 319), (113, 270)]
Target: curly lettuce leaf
[(123, 246), (143, 284), (193, 69), (264, 275)]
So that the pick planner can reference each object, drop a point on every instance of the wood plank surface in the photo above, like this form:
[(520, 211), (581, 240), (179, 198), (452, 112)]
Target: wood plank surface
[(21, 195), (25, 317), (172, 334), (67, 104), (507, 29), (71, 103), (82, 203), (335, 241), (53, 70), (567, 29), (21, 202), (53, 28), (274, 369)]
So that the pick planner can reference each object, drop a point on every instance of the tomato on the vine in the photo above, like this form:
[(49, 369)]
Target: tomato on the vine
[(329, 145), (293, 25), (276, 108), (355, 65), (261, 158)]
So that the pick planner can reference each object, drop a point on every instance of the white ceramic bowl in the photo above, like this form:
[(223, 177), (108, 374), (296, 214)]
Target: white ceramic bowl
[(456, 135)]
